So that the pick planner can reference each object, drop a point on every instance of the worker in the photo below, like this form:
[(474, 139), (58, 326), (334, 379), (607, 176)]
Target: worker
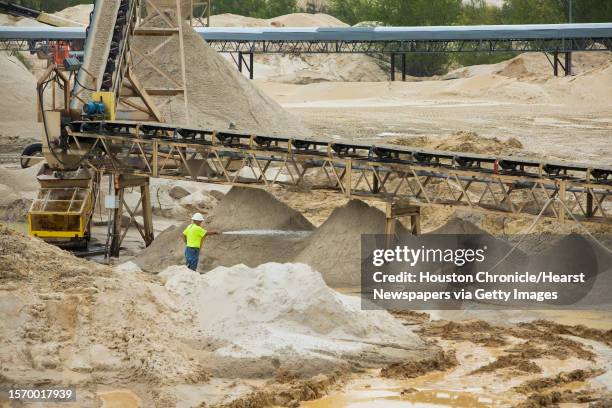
[(193, 236)]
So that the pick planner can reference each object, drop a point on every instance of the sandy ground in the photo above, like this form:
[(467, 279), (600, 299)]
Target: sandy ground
[(564, 117), (129, 337)]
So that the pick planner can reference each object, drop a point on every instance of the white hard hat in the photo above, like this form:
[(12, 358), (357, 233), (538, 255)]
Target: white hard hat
[(197, 217)]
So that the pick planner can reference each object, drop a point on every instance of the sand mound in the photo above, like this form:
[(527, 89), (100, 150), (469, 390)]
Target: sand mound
[(463, 141), (334, 249), (287, 20), (281, 310), (306, 20), (533, 67), (305, 68), (241, 209), (7, 20), (457, 225), (20, 180), (218, 94), (313, 68), (165, 250), (17, 106), (26, 258), (250, 208), (78, 14), (19, 90)]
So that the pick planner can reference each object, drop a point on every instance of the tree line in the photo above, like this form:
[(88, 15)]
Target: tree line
[(403, 12)]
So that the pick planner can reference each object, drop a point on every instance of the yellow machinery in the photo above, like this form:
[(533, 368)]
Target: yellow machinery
[(61, 212)]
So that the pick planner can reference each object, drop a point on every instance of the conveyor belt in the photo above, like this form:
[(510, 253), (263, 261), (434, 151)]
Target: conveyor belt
[(493, 38), (110, 28), (506, 185), (380, 153)]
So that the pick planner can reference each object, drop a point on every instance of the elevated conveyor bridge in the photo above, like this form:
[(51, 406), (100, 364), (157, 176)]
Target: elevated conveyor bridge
[(510, 186), (554, 40)]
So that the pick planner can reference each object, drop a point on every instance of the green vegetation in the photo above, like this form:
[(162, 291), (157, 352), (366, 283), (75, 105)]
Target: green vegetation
[(473, 12)]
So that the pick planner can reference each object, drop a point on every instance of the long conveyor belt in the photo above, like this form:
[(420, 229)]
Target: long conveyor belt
[(501, 184)]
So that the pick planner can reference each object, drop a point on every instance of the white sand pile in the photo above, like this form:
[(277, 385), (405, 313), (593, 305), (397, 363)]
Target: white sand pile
[(534, 66), (114, 327), (334, 249), (287, 20), (280, 310), (217, 93)]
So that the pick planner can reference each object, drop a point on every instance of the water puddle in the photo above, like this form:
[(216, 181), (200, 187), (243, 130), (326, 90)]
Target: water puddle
[(379, 392), (120, 399)]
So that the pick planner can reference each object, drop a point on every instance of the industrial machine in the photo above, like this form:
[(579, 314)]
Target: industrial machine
[(100, 120), (61, 212)]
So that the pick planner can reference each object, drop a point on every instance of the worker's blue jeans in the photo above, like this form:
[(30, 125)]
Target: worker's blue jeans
[(192, 256)]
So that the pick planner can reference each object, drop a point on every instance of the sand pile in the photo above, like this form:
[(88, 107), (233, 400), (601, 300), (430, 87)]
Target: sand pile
[(79, 13), (534, 66), (17, 190), (19, 90), (334, 249), (282, 310), (67, 314), (241, 209), (27, 258), (250, 208), (456, 225), (305, 68), (313, 68), (463, 141), (287, 20), (218, 94), (116, 327), (18, 105)]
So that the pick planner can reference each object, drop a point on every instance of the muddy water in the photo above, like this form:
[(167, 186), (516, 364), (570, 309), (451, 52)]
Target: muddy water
[(457, 387), (120, 399), (379, 392), (453, 388)]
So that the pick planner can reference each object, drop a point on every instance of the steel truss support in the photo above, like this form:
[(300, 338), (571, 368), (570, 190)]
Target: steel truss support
[(486, 187), (395, 211), (156, 38), (120, 228), (556, 63), (280, 46), (392, 59), (249, 65)]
